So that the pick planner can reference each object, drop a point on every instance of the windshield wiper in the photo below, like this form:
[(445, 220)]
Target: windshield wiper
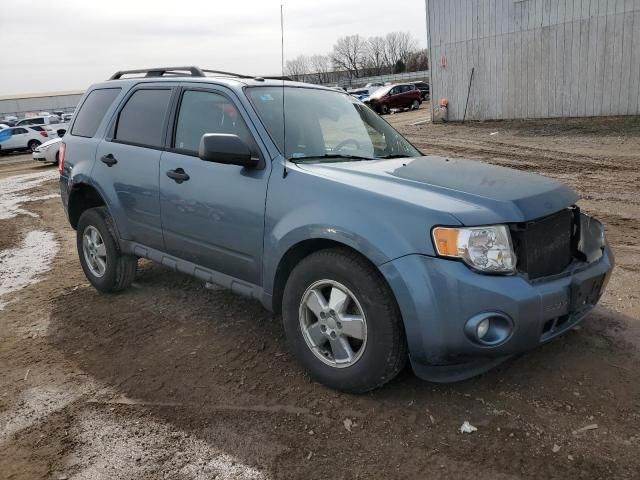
[(330, 156)]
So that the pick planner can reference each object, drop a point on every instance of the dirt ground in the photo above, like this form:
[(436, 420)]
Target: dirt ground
[(173, 380)]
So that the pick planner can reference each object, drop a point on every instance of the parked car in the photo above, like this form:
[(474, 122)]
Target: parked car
[(3, 126), (48, 152), (374, 252), (52, 121), (9, 120), (424, 89), (66, 117), (48, 131), (21, 138), (360, 93), (40, 120), (398, 96)]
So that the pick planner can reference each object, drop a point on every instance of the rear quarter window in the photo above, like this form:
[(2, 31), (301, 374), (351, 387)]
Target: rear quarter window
[(93, 110)]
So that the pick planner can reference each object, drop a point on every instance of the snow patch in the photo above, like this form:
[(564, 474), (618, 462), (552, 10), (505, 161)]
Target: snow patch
[(35, 404), (20, 266), (117, 446), (11, 197)]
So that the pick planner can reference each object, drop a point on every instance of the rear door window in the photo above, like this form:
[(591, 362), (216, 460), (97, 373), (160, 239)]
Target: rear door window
[(92, 111), (142, 119)]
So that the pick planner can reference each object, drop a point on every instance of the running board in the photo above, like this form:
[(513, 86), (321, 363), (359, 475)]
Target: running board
[(240, 287)]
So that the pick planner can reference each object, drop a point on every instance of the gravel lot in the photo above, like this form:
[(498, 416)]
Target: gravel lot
[(172, 380)]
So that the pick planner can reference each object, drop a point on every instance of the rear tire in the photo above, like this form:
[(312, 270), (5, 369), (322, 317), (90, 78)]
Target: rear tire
[(376, 349), (104, 265), (415, 105), (33, 144)]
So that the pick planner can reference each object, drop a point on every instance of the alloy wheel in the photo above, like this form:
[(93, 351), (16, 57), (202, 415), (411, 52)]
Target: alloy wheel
[(94, 250), (333, 323)]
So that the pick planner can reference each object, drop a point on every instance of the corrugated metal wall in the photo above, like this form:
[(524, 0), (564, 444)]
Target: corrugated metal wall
[(536, 58), (20, 106)]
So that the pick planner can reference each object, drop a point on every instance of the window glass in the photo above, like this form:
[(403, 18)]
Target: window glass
[(92, 111), (207, 112), (325, 123), (19, 131), (143, 117)]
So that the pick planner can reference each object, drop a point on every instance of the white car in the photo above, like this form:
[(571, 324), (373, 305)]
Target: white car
[(53, 121), (3, 126), (40, 120), (48, 151), (21, 138)]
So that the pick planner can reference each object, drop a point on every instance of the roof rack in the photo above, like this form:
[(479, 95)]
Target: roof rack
[(184, 72), (161, 72)]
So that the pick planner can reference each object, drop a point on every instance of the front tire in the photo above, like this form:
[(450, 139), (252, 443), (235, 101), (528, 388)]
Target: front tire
[(384, 110), (104, 265), (342, 321)]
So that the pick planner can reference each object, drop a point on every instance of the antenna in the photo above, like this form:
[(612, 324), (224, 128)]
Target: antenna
[(284, 123)]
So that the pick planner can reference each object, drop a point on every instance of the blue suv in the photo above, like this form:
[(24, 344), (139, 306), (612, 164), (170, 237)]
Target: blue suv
[(304, 199)]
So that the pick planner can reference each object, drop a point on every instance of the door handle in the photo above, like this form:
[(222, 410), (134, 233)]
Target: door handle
[(109, 159), (178, 175)]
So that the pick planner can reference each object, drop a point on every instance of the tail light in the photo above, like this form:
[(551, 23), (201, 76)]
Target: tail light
[(44, 134), (61, 152)]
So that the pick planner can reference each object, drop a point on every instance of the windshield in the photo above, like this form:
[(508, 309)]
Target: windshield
[(323, 125), (381, 92)]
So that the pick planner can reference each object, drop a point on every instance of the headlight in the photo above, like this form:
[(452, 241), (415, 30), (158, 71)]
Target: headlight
[(488, 249)]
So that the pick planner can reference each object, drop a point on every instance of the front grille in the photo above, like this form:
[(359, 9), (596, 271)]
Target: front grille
[(545, 246)]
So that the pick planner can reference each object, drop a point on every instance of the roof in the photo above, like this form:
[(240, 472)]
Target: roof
[(41, 95), (219, 80)]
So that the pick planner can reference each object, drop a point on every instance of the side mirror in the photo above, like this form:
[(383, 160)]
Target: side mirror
[(226, 148)]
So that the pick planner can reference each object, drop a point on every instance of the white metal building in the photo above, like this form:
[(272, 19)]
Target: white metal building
[(19, 105), (535, 58)]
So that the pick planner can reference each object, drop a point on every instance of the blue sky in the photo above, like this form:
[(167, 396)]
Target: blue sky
[(69, 44)]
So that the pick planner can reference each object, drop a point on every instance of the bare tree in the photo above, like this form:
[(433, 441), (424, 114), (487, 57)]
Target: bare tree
[(321, 68), (375, 54), (398, 46), (297, 68), (418, 60), (349, 53)]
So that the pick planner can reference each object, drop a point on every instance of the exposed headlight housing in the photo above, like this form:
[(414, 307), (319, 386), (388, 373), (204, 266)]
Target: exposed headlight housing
[(487, 249)]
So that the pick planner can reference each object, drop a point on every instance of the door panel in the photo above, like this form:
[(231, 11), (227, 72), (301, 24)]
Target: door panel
[(17, 140), (132, 187), (127, 166), (216, 217)]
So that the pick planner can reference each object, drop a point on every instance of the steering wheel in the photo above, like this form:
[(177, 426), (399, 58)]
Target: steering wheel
[(346, 142)]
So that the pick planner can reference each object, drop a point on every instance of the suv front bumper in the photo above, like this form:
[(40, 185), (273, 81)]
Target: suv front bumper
[(437, 297)]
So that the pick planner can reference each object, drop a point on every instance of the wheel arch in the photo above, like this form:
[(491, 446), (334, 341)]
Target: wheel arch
[(81, 198), (296, 253)]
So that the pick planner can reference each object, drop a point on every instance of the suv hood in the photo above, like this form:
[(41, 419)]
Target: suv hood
[(475, 192)]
